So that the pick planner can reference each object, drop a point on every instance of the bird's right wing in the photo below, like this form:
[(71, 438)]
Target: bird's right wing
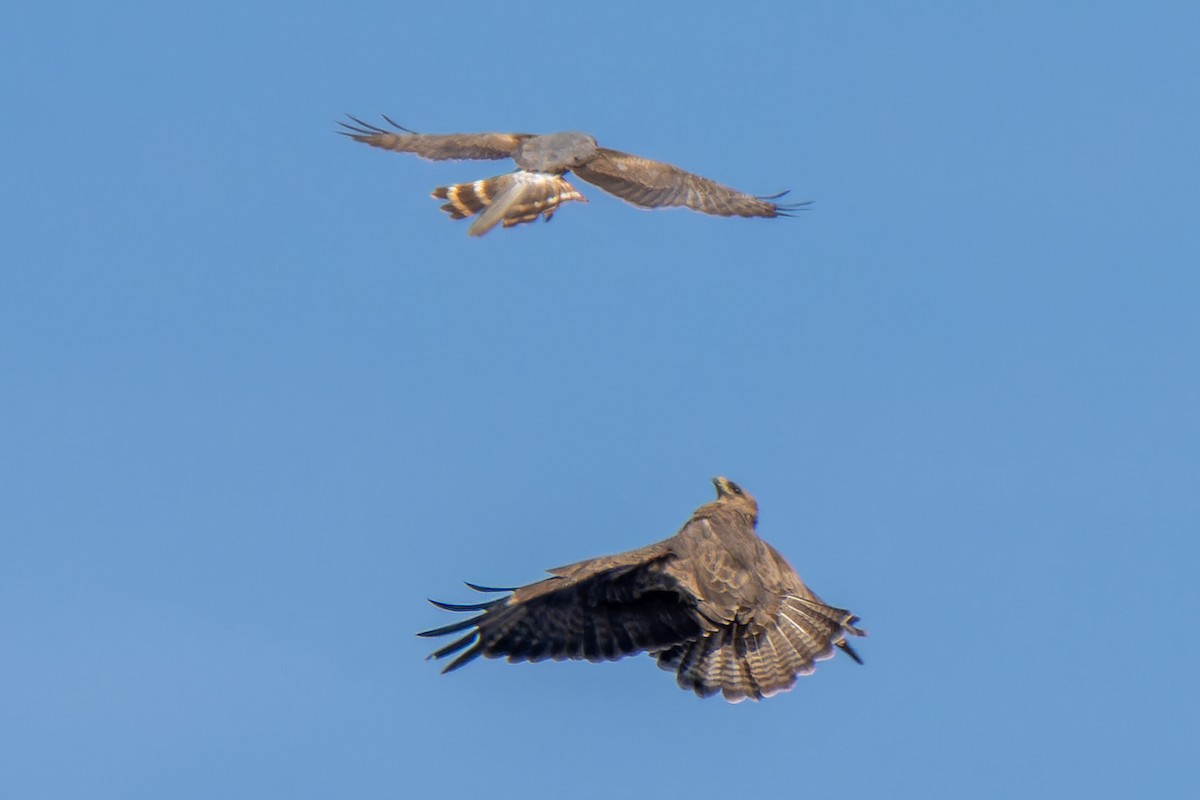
[(435, 146), (599, 610), (654, 184)]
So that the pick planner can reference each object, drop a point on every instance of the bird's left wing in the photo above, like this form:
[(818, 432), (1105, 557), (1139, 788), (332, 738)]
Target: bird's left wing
[(435, 146), (654, 184), (599, 610)]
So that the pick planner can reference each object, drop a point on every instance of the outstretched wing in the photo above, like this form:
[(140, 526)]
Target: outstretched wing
[(436, 146), (597, 610), (654, 184)]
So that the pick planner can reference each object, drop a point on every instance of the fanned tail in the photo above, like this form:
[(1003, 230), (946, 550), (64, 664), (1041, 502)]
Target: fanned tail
[(508, 199), (742, 665)]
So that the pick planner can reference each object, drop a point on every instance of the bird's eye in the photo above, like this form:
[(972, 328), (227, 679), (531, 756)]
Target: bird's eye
[(733, 487)]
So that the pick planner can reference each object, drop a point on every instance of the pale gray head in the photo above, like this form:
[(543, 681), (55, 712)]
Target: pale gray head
[(555, 152)]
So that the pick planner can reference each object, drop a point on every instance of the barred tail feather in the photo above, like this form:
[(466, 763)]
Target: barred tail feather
[(742, 665), (508, 199), (717, 663)]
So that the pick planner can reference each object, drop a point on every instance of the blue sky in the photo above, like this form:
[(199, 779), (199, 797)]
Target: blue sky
[(261, 397)]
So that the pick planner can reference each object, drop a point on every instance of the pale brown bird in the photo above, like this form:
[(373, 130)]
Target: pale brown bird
[(537, 187), (714, 604)]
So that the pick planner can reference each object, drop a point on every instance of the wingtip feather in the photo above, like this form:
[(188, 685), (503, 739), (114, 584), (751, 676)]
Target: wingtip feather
[(487, 589)]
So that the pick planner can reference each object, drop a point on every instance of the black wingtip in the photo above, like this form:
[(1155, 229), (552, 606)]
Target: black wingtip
[(467, 606), (790, 209), (359, 128), (464, 659), (395, 124), (455, 627), (848, 650), (362, 128), (784, 209), (489, 589), (456, 645)]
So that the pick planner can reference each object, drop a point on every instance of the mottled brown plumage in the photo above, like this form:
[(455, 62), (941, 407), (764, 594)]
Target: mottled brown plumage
[(640, 181), (714, 603)]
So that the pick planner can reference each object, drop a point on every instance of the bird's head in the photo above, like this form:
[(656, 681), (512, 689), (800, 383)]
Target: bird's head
[(737, 497), (577, 148)]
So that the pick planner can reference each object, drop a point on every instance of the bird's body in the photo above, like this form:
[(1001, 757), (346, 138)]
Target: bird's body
[(714, 604), (640, 181), (555, 152)]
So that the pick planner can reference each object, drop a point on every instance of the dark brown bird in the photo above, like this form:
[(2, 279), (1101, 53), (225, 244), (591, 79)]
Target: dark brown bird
[(714, 604), (538, 188)]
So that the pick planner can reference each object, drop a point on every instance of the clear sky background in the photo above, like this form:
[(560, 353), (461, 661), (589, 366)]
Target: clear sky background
[(260, 397)]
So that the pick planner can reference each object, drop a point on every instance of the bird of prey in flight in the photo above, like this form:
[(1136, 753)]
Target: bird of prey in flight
[(714, 604), (537, 187)]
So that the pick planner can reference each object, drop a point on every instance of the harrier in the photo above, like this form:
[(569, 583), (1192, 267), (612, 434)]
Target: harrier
[(538, 188), (714, 604)]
